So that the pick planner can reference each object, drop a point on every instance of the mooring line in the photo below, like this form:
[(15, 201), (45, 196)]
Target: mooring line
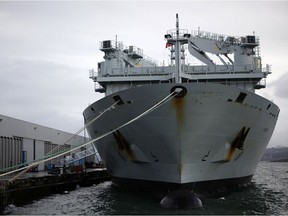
[(157, 105), (80, 130), (29, 164)]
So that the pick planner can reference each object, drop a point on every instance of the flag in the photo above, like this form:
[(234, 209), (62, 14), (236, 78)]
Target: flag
[(168, 45)]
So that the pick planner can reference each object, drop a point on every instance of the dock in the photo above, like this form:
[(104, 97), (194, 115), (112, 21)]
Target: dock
[(36, 185)]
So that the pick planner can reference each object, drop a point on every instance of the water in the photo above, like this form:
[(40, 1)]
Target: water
[(268, 195)]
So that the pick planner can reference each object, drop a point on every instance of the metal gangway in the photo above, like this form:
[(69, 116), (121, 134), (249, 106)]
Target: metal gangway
[(77, 156)]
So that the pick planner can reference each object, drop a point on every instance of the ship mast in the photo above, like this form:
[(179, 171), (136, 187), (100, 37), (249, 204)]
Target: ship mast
[(176, 39), (177, 53)]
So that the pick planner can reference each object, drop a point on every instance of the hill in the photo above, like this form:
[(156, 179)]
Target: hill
[(276, 154)]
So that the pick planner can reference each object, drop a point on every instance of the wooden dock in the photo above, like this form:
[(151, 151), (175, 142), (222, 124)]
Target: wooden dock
[(33, 186)]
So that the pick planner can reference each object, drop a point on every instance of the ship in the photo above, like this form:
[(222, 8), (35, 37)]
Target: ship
[(182, 126)]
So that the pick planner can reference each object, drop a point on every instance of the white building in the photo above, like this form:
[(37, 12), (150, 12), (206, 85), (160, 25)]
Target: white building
[(22, 141)]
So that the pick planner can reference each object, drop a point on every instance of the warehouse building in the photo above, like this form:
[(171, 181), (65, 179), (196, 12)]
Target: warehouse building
[(22, 142)]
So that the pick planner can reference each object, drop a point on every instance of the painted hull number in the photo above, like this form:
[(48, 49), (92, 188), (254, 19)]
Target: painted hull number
[(204, 158)]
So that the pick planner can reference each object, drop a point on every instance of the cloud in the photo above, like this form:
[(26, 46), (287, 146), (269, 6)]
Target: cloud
[(277, 91), (47, 49), (46, 92), (280, 86)]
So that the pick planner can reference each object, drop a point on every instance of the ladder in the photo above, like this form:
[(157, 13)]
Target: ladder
[(80, 155)]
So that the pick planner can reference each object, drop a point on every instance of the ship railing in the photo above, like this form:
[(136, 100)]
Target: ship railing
[(110, 44), (217, 37), (130, 50), (209, 35), (93, 74), (130, 71), (78, 156), (257, 49), (138, 71), (152, 61), (98, 88), (186, 69), (201, 69), (267, 69), (262, 82), (173, 32), (133, 50), (237, 40)]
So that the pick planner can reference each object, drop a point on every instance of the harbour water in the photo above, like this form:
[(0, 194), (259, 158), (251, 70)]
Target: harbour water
[(267, 195)]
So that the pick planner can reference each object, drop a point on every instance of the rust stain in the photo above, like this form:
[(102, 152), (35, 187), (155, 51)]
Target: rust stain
[(124, 146), (180, 169), (238, 142), (179, 104), (230, 154)]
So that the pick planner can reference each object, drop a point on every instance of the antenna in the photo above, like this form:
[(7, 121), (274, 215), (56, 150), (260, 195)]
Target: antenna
[(177, 25), (177, 53)]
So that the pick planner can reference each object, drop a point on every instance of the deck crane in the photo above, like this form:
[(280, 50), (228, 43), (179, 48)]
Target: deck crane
[(220, 45)]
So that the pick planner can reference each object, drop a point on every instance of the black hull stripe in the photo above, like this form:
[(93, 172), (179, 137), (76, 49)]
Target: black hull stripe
[(198, 187)]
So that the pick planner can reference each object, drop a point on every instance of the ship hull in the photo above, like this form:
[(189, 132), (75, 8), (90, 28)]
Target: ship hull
[(202, 187), (212, 133)]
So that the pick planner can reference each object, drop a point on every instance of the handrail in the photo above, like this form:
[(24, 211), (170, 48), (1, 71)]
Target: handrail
[(118, 45)]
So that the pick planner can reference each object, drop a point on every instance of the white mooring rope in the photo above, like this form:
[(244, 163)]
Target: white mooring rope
[(34, 163), (80, 130), (54, 149)]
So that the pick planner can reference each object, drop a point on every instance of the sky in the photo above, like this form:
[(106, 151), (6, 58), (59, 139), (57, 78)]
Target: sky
[(48, 47)]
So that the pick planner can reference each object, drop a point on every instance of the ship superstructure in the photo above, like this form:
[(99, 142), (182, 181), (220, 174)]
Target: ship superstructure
[(213, 130), (125, 67)]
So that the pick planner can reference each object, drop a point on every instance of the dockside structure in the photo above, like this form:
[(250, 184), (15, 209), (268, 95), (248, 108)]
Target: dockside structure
[(22, 142)]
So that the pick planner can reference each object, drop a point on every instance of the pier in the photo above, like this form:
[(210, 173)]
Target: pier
[(35, 185)]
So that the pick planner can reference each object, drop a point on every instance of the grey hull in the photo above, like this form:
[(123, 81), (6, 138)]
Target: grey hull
[(213, 133)]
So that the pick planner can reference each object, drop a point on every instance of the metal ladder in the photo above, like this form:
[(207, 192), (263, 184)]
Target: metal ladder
[(80, 155)]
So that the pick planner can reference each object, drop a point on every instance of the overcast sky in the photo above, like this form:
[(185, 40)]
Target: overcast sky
[(47, 49)]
